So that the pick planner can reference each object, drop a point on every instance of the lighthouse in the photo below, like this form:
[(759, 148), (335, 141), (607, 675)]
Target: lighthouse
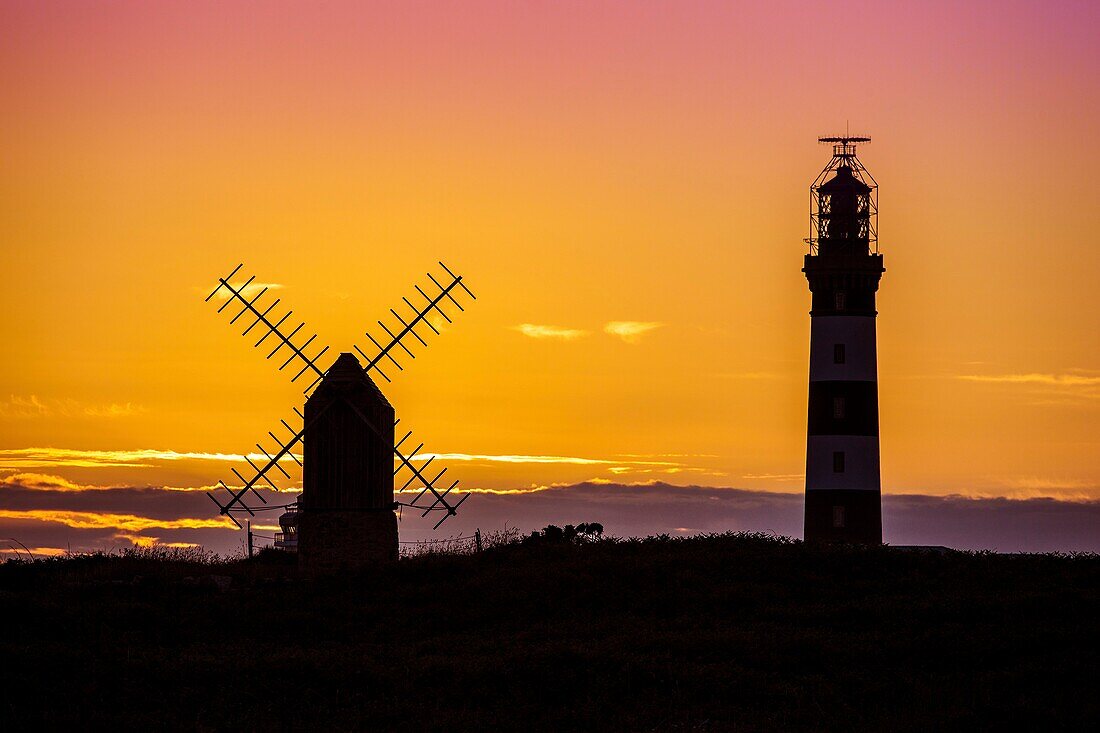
[(843, 267)]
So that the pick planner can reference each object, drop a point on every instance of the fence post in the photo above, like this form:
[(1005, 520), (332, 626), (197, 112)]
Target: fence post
[(477, 538), (250, 539)]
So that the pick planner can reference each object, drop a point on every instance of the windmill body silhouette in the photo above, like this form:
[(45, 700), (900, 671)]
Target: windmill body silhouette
[(345, 515)]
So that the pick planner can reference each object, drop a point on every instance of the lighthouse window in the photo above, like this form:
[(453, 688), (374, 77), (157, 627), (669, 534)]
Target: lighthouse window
[(838, 353), (838, 296), (838, 516), (838, 461), (838, 408)]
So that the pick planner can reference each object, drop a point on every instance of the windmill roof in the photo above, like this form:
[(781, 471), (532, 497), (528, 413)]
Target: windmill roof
[(347, 369)]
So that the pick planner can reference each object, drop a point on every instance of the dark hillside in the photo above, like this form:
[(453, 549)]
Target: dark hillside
[(719, 633)]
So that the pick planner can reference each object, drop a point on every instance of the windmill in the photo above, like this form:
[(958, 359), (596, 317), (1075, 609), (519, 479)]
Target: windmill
[(348, 431)]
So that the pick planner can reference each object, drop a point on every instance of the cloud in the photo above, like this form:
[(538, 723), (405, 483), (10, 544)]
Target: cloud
[(1052, 380), (43, 482), (127, 522), (536, 331), (15, 458), (12, 550), (1002, 524), (147, 541), (49, 511), (21, 458), (438, 322), (18, 406), (569, 460), (114, 410), (776, 476), (137, 540), (253, 288), (668, 455), (1064, 488), (625, 510), (1079, 387), (33, 406), (57, 517), (157, 502), (630, 331), (48, 482)]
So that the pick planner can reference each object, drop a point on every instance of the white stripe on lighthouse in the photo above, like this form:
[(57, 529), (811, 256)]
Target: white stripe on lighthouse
[(857, 335), (861, 462)]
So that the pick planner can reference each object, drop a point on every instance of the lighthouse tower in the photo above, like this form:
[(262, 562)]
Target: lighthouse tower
[(843, 268)]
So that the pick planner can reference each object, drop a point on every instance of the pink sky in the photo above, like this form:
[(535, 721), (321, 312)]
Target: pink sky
[(584, 164)]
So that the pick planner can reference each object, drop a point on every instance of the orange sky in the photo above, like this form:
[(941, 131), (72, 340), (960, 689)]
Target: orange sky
[(581, 165)]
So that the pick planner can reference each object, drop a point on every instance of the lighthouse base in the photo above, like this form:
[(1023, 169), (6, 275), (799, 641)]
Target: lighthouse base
[(336, 540), (852, 516)]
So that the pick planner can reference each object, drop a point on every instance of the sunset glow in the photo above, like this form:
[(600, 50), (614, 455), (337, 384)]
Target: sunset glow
[(623, 185)]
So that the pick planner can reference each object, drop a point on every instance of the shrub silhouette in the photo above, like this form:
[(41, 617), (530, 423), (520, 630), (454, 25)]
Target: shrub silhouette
[(570, 534)]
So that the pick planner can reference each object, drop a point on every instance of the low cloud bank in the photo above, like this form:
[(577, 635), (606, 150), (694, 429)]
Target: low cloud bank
[(1005, 525)]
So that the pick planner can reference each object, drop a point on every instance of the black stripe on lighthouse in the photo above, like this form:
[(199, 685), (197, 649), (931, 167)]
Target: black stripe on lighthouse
[(843, 408)]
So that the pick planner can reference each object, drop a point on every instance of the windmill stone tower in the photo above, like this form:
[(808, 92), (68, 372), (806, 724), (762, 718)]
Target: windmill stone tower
[(346, 510), (843, 492)]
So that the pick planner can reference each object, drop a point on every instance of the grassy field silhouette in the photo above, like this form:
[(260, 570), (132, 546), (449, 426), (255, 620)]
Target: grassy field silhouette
[(723, 632)]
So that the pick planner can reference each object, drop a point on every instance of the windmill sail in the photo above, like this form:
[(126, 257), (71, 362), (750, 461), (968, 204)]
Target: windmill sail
[(417, 478), (286, 447), (235, 295), (398, 336)]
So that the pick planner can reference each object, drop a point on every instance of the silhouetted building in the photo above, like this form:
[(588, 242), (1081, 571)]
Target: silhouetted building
[(843, 493), (345, 514), (346, 510), (287, 536)]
